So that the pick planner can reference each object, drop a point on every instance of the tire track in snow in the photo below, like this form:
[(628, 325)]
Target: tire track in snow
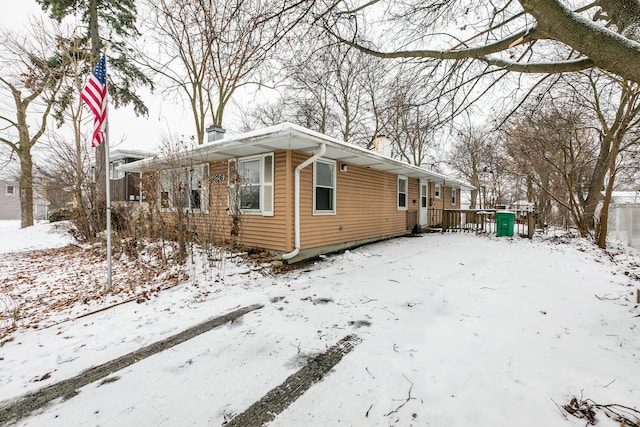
[(23, 406), (279, 398)]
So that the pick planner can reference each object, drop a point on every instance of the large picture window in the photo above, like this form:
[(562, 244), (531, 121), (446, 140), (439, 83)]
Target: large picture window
[(324, 187), (185, 188), (402, 192), (253, 189)]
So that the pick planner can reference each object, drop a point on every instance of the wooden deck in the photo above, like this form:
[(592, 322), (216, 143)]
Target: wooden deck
[(477, 220)]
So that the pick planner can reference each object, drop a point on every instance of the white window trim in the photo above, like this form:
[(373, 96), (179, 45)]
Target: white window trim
[(437, 191), (424, 186), (204, 201), (261, 211), (406, 193), (114, 169), (453, 196), (6, 190), (333, 203)]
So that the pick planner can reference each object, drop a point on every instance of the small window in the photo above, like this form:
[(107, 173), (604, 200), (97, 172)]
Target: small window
[(423, 195), (324, 186), (402, 192), (10, 190), (453, 196), (436, 192), (114, 172)]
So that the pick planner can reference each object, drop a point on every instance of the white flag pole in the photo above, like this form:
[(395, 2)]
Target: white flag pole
[(108, 181)]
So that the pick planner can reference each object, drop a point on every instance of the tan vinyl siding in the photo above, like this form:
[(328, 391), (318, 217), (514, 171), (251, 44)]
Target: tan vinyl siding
[(255, 229), (444, 202), (413, 197), (366, 206), (267, 231), (435, 203), (446, 196), (448, 199)]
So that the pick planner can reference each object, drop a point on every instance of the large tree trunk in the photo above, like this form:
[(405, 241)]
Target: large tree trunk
[(604, 213), (26, 189), (597, 180)]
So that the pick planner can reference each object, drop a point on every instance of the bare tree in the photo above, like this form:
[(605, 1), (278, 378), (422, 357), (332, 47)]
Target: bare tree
[(409, 119), (109, 23), (508, 35), (472, 155), (615, 104), (555, 144), (31, 78), (207, 50)]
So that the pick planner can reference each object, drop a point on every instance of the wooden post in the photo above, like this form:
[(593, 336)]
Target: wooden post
[(445, 220), (531, 224)]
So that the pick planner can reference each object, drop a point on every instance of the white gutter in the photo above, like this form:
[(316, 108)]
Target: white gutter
[(296, 184)]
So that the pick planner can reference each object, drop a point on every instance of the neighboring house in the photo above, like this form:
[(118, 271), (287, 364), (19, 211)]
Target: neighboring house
[(125, 186), (10, 202), (624, 217), (299, 192)]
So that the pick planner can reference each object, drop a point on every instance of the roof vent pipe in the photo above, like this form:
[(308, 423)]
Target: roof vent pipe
[(214, 133), (296, 185)]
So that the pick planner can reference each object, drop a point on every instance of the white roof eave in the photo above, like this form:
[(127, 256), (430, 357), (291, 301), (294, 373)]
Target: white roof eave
[(288, 136)]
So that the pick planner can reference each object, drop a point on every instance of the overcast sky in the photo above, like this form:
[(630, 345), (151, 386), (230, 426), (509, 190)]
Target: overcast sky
[(126, 131)]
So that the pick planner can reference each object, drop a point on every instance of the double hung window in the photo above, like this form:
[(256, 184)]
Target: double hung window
[(402, 192), (185, 188), (251, 184), (324, 187)]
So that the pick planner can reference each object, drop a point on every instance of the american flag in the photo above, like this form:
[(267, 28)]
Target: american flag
[(94, 95)]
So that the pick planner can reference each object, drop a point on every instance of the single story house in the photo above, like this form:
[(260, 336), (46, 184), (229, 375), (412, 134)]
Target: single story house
[(624, 217), (10, 201), (296, 192), (125, 186)]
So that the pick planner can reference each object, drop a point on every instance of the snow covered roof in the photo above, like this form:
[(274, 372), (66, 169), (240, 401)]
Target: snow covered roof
[(129, 154), (625, 197), (287, 136)]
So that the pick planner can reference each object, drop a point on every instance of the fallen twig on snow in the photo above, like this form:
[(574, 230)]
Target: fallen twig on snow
[(369, 372), (586, 408), (604, 297), (561, 409), (409, 397), (366, 415)]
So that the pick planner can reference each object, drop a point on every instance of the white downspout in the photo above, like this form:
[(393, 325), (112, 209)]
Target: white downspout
[(296, 184)]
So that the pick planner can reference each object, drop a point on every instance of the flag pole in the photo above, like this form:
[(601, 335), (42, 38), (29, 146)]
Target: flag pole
[(94, 94), (108, 191), (107, 184)]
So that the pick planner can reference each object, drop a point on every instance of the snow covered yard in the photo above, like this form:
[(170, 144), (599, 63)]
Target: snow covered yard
[(456, 329)]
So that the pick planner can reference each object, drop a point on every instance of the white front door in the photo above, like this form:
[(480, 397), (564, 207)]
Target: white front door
[(424, 203)]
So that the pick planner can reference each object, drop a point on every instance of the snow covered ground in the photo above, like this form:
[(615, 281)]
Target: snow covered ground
[(456, 329)]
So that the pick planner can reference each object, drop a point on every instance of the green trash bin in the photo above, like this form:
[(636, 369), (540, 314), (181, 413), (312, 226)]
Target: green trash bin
[(504, 223)]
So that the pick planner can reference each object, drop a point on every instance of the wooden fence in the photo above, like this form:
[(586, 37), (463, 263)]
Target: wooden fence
[(478, 220)]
